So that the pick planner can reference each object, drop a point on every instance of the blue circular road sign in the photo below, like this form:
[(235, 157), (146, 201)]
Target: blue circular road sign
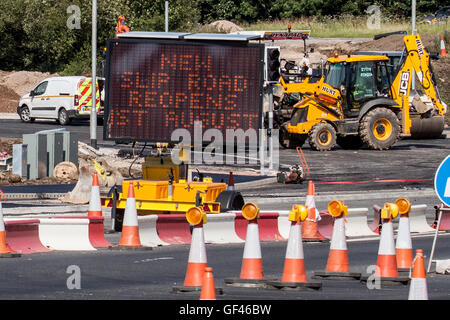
[(442, 181)]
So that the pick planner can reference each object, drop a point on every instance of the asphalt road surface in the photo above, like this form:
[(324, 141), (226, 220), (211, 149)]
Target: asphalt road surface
[(360, 177), (112, 274)]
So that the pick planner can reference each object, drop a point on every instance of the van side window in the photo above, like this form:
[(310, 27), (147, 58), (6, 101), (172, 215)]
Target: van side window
[(40, 89)]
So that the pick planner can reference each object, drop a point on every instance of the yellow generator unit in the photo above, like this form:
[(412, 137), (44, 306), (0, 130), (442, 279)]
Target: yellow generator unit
[(164, 189)]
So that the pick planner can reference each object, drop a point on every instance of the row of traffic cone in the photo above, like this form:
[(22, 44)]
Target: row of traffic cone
[(199, 275)]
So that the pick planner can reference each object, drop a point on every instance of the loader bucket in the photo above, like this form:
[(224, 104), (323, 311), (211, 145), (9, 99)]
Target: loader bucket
[(427, 128)]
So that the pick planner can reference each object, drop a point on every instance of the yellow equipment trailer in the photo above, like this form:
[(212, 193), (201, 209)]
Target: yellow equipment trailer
[(165, 190)]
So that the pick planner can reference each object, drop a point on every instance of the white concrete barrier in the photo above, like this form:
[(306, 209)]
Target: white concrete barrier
[(220, 228), (357, 223), (65, 234), (147, 231), (284, 225), (418, 219)]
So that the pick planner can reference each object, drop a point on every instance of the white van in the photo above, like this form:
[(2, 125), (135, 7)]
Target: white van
[(61, 98)]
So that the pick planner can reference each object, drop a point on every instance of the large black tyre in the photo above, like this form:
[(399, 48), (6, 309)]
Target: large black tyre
[(63, 117), (291, 140), (118, 220), (322, 137), (24, 114), (379, 129), (349, 142), (230, 200)]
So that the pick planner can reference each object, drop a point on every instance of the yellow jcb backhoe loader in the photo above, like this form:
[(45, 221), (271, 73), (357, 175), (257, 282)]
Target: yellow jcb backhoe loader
[(360, 101)]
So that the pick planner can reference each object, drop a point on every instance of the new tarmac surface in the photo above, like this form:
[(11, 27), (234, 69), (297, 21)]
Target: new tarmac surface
[(361, 178), (151, 275)]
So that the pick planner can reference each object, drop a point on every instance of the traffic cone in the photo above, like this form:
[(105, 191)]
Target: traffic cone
[(130, 229), (251, 268), (95, 207), (386, 261), (418, 286), (208, 289), (294, 263), (5, 250), (309, 226), (230, 185), (197, 258), (337, 265), (443, 50), (294, 274), (386, 268), (197, 262), (403, 245)]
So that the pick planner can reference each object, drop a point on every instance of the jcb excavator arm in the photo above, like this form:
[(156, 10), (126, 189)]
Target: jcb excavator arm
[(418, 59), (423, 124)]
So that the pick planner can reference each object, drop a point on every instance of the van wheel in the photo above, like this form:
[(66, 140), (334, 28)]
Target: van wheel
[(25, 114), (63, 117)]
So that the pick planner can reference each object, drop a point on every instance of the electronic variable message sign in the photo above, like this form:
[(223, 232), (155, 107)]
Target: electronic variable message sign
[(154, 86)]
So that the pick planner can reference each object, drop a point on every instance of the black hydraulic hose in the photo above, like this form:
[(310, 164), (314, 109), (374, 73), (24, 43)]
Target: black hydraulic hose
[(139, 155)]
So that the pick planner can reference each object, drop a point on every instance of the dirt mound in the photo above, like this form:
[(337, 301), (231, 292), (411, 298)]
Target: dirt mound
[(6, 144), (395, 43), (8, 99), (224, 26), (15, 84), (23, 82)]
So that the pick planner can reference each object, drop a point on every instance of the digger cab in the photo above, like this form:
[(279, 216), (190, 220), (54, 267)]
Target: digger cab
[(359, 80)]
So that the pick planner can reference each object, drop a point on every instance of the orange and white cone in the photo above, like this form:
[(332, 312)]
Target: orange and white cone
[(387, 260), (294, 273), (337, 264), (95, 207), (230, 185), (418, 287), (338, 256), (252, 267), (5, 250), (443, 50), (294, 263), (208, 288), (403, 245), (197, 261), (309, 226), (3, 246), (130, 229)]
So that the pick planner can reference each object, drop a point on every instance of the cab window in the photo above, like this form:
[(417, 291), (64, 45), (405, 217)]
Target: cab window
[(382, 79), (335, 75), (40, 89), (362, 80)]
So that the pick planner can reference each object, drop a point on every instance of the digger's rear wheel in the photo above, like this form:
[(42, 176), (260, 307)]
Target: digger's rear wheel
[(379, 129)]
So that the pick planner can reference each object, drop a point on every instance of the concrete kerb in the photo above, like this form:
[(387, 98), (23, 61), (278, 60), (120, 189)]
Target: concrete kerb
[(44, 210), (324, 197)]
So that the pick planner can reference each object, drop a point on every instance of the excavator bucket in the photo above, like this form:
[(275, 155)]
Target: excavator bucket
[(427, 128), (108, 176)]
